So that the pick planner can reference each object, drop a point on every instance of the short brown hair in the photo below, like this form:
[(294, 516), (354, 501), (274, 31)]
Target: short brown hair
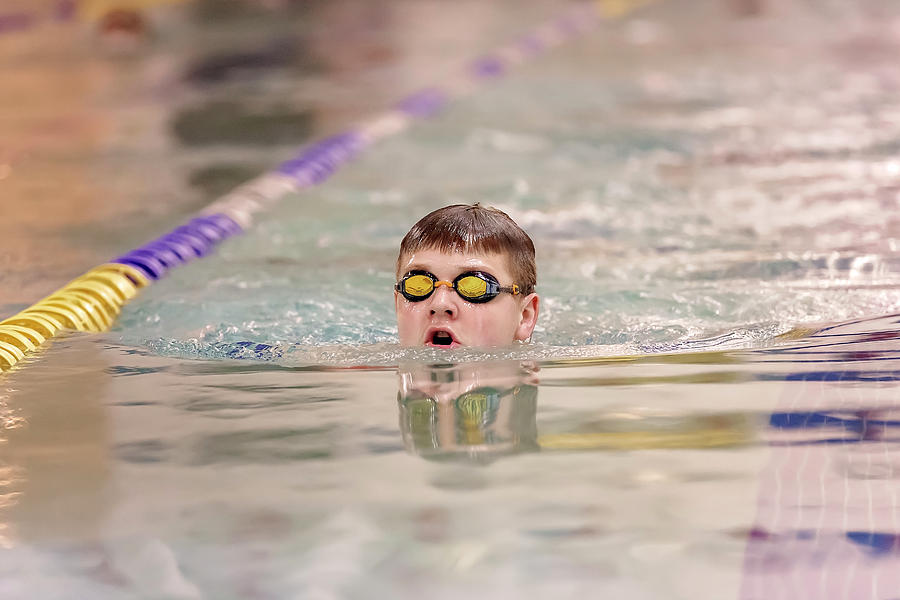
[(475, 228)]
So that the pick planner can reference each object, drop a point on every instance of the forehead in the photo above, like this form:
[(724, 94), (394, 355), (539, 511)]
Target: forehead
[(450, 264)]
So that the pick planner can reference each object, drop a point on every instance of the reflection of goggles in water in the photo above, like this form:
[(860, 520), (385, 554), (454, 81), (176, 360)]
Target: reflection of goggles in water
[(472, 286), (475, 411)]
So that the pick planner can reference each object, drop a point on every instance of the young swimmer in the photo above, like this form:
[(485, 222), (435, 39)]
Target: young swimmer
[(466, 277)]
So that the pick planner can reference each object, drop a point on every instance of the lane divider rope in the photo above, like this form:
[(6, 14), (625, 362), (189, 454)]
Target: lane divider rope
[(93, 301)]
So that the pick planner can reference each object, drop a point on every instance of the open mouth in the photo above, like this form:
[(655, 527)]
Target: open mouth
[(441, 339)]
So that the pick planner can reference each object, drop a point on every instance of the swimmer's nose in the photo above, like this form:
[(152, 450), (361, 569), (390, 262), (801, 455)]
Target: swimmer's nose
[(443, 300)]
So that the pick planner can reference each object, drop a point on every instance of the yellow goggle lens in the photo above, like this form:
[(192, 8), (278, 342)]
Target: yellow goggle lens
[(418, 285), (473, 406), (471, 286)]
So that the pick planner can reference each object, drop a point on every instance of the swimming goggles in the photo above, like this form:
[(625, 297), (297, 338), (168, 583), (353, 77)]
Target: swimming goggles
[(472, 286)]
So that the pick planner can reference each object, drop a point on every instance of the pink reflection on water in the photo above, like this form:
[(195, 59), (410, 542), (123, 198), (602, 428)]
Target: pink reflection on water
[(828, 520)]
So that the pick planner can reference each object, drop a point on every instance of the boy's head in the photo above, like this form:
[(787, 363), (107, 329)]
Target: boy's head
[(466, 277)]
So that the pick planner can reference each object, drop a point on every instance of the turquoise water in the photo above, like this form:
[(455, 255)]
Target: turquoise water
[(697, 181), (675, 190)]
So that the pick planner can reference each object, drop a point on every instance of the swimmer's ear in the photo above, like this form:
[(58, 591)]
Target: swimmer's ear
[(528, 317)]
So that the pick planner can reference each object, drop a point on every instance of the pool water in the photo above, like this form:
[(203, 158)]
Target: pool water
[(707, 409), (674, 192)]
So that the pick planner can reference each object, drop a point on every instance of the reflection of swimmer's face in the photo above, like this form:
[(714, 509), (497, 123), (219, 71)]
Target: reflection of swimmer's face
[(444, 319), (466, 411), (444, 383), (472, 421)]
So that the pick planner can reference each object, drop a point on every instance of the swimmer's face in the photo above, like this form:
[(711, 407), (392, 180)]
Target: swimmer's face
[(446, 320)]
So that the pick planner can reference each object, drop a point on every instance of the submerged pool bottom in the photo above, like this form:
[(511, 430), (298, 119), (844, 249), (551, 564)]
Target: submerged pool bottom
[(751, 474)]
